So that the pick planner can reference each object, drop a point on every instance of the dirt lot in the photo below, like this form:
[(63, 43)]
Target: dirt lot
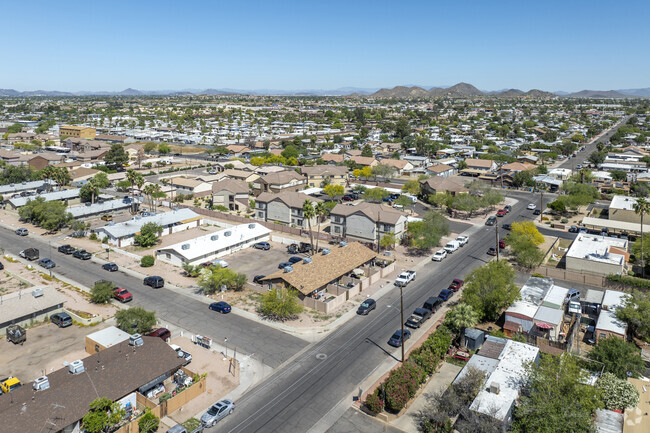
[(46, 348)]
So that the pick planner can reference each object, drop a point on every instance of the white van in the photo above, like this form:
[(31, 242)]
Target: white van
[(452, 246), (413, 198)]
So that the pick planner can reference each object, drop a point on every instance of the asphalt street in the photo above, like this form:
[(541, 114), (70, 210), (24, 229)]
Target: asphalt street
[(300, 393), (266, 344)]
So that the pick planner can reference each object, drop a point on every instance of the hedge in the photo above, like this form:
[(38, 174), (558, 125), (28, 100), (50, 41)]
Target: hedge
[(639, 283), (403, 382)]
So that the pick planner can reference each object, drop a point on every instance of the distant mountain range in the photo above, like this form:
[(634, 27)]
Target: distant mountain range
[(460, 90)]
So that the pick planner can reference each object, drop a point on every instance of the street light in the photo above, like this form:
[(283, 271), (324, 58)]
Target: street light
[(401, 311)]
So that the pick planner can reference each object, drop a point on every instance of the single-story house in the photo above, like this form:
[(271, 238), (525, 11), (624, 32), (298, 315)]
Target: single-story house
[(608, 325), (332, 158), (442, 170), (437, 184), (100, 207), (401, 166), (364, 161), (189, 186), (29, 305), (597, 254), (243, 175), (14, 188), (107, 337)]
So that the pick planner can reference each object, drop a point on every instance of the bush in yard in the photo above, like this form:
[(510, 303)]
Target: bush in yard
[(402, 384), (147, 261), (135, 319), (279, 304), (617, 394), (148, 423), (102, 292), (374, 402)]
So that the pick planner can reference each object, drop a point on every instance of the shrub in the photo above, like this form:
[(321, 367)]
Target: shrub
[(148, 423), (374, 402), (402, 384), (147, 261), (102, 292), (220, 207), (279, 304), (617, 394), (639, 283), (93, 236), (105, 239)]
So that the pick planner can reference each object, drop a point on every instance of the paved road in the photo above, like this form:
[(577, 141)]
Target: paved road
[(299, 394), (268, 345)]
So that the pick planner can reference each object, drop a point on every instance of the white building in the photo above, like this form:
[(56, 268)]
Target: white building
[(123, 234), (214, 245), (597, 254)]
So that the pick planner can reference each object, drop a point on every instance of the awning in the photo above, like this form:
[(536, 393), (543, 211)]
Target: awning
[(543, 325)]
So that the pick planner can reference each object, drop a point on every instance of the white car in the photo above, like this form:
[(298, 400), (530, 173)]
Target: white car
[(462, 240), (439, 255), (221, 263), (531, 206)]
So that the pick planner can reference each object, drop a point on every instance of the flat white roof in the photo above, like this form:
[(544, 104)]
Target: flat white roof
[(596, 248), (95, 208), (109, 336), (213, 242), (525, 308), (132, 226), (22, 303), (622, 202), (607, 321), (615, 225), (535, 289), (613, 299), (482, 363), (25, 186), (509, 375), (549, 315), (65, 194), (556, 295)]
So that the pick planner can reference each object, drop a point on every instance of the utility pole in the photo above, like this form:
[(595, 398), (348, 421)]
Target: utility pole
[(541, 205), (401, 309), (496, 231)]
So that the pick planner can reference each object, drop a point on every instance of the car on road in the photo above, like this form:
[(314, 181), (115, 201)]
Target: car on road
[(66, 249), (492, 220), (46, 263), (284, 265), (221, 307), (217, 412), (1, 266), (507, 208), (451, 246), (501, 213), (507, 226), (81, 254), (110, 267), (154, 282), (405, 278), (573, 229), (107, 218), (62, 320), (396, 338), (439, 255), (492, 251), (22, 232), (161, 333), (295, 259), (445, 294), (366, 307), (122, 295), (29, 254), (502, 244), (258, 279), (537, 212), (432, 304), (262, 246), (456, 284), (578, 166), (462, 240), (531, 206)]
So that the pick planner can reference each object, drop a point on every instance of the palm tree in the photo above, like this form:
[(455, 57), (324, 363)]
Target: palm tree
[(148, 191), (461, 317), (642, 207), (308, 213), (321, 211), (171, 191)]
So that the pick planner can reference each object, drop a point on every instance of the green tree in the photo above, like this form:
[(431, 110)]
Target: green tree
[(164, 149), (460, 317), (367, 151), (149, 234), (375, 195), (192, 270), (425, 234), (16, 174), (123, 185), (213, 278), (556, 398), (135, 319), (642, 207), (104, 414), (387, 241), (384, 171), (617, 394), (308, 213), (15, 128), (402, 128), (636, 313), (135, 179), (491, 288), (89, 191), (618, 175), (412, 187), (523, 178), (116, 156), (102, 292), (51, 215), (290, 151), (321, 212), (618, 357), (147, 261), (334, 191), (149, 147), (101, 180), (148, 423), (279, 304)]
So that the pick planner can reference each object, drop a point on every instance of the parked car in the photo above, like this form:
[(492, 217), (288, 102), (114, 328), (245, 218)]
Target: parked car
[(258, 279), (284, 265), (30, 254), (502, 244), (22, 232), (507, 226), (396, 338), (46, 263), (1, 266), (456, 284), (573, 295), (217, 412), (347, 198), (405, 278), (501, 213), (462, 240), (537, 212), (445, 294), (62, 320), (418, 317), (221, 307), (451, 246), (161, 333), (154, 281), (122, 295), (492, 220), (67, 249), (111, 267), (531, 206), (220, 263), (295, 259), (439, 255), (366, 307), (507, 208), (82, 254), (107, 218), (432, 304), (492, 251), (262, 246)]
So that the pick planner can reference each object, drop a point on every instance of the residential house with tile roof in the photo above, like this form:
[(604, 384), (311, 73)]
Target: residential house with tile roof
[(319, 175), (287, 180), (284, 207)]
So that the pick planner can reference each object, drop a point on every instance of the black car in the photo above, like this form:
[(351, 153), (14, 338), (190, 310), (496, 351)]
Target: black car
[(284, 265), (508, 208), (154, 281), (82, 254), (1, 266), (258, 279), (396, 339), (507, 226), (295, 259), (573, 229), (537, 212), (62, 320), (367, 306), (67, 249), (262, 246), (111, 267), (46, 263)]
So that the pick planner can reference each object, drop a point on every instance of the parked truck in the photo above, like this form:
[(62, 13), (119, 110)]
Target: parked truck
[(16, 334), (30, 254), (404, 278), (10, 383)]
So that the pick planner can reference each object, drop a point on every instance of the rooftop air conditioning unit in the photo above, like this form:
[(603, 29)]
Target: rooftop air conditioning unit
[(214, 237), (76, 367), (37, 292), (251, 226), (288, 269), (306, 260), (135, 340), (185, 247), (88, 203), (41, 383), (495, 388), (228, 233), (326, 251)]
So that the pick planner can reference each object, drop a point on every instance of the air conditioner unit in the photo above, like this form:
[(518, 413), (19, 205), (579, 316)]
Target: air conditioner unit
[(228, 233), (251, 226), (495, 388), (76, 367), (306, 260), (37, 292), (135, 340), (185, 247), (41, 383), (214, 237)]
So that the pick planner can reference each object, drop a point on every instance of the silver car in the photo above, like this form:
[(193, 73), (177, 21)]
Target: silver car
[(217, 411)]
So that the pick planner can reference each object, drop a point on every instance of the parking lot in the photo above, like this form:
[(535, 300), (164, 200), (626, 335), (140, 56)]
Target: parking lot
[(251, 261)]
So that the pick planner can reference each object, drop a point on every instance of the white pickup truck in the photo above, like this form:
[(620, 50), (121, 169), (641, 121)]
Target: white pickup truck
[(404, 278)]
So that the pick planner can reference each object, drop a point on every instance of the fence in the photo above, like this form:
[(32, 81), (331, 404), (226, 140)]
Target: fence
[(575, 277)]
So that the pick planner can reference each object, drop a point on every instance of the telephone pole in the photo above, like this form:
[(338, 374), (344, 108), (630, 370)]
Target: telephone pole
[(401, 310), (496, 231), (541, 205)]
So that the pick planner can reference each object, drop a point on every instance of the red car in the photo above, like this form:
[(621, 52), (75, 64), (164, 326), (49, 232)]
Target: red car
[(501, 212), (502, 244), (122, 295), (456, 285)]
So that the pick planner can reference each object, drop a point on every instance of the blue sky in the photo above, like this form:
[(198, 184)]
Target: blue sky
[(111, 45)]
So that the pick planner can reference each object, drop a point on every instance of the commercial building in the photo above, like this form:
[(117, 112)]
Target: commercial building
[(29, 305), (214, 245), (597, 254), (101, 207), (123, 234), (64, 195), (14, 188), (77, 132)]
